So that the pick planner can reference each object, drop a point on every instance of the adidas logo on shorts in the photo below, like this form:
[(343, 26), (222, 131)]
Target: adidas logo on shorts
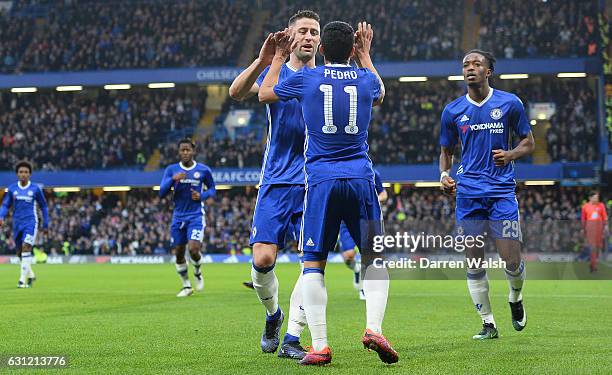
[(309, 242)]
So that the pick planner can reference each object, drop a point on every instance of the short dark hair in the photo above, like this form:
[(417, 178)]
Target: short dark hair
[(487, 55), (23, 164), (593, 192), (187, 141), (304, 14), (337, 41)]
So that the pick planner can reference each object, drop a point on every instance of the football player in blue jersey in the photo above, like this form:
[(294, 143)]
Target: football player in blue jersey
[(485, 121), (188, 179), (280, 199), (24, 197), (348, 246), (336, 101)]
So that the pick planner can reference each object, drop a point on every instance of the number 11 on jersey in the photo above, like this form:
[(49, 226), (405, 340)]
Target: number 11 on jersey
[(329, 127)]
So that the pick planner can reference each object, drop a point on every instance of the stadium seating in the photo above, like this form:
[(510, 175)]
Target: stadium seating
[(94, 35), (106, 224), (560, 28), (102, 129), (405, 30), (93, 129), (405, 130)]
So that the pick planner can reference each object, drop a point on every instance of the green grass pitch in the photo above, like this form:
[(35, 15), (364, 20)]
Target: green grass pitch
[(112, 319)]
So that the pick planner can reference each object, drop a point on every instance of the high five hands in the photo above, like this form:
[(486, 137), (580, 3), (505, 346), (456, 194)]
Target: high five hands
[(284, 42)]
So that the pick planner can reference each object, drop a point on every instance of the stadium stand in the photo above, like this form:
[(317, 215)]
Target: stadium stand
[(405, 129), (106, 224), (96, 35), (86, 223), (404, 30), (101, 129), (100, 35), (94, 129), (544, 28)]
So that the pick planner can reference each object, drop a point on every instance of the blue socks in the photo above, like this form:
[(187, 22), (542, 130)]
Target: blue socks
[(290, 338), (274, 316)]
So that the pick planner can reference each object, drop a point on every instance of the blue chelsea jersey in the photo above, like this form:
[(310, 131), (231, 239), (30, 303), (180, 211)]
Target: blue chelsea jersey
[(336, 102), (482, 128), (24, 201), (196, 178), (283, 161)]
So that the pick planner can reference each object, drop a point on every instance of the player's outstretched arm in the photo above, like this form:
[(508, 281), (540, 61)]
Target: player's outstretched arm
[(446, 163), (525, 147), (284, 45), (245, 85), (363, 43)]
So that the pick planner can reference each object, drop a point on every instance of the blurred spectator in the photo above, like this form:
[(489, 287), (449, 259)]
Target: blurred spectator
[(550, 216), (94, 35), (89, 130), (403, 30), (106, 225), (15, 35), (516, 29), (108, 129), (77, 35)]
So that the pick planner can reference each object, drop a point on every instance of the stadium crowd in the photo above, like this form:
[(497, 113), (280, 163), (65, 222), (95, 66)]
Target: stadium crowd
[(405, 129), (92, 35), (98, 35), (550, 216), (543, 29), (405, 30), (116, 129), (92, 130), (85, 223), (244, 148)]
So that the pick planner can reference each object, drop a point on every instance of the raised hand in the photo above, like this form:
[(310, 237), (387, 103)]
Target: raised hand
[(285, 42), (266, 53), (363, 39)]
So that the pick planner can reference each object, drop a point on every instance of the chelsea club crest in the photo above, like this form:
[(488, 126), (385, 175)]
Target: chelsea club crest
[(496, 113), (196, 175)]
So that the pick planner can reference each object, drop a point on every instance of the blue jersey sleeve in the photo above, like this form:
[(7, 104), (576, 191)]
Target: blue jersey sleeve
[(518, 117), (448, 131), (375, 86), (208, 181), (292, 87), (7, 202), (262, 75), (40, 198), (166, 183), (378, 182)]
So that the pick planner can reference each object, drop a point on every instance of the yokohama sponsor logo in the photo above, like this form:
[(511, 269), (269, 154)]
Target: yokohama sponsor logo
[(487, 126)]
